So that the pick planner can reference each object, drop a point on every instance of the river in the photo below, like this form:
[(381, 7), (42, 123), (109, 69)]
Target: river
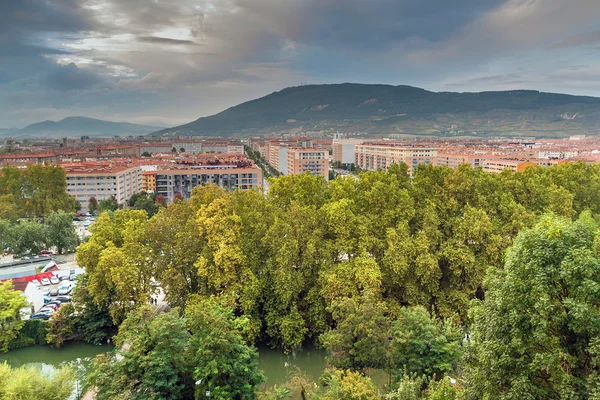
[(276, 365)]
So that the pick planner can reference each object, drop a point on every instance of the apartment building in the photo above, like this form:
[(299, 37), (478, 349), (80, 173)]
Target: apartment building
[(372, 157), (453, 160), (28, 158), (159, 147), (149, 181), (343, 150), (495, 166), (181, 181), (300, 160), (102, 181), (192, 147)]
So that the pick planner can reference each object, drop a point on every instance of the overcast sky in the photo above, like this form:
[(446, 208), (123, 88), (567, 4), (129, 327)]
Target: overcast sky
[(169, 62)]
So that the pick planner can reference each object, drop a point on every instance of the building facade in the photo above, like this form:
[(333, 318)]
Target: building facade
[(149, 181), (173, 182), (343, 150), (372, 157), (300, 160), (102, 182)]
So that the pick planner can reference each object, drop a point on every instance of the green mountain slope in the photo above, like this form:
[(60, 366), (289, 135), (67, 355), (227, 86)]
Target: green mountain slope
[(384, 109)]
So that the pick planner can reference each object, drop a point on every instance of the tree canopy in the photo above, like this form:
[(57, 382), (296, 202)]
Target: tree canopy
[(536, 333)]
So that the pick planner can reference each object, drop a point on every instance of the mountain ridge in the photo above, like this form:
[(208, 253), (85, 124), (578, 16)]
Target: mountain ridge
[(76, 126), (383, 109)]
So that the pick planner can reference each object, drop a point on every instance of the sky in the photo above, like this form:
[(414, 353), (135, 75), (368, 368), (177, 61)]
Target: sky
[(168, 62)]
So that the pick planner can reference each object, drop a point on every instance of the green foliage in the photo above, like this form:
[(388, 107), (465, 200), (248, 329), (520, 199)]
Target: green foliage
[(61, 326), (283, 260), (108, 204), (536, 333), (360, 339), (32, 333), (146, 154), (29, 238), (34, 192), (421, 345), (93, 322), (346, 385), (93, 205), (407, 387), (151, 362), (145, 201), (31, 383), (224, 364), (11, 304), (60, 232)]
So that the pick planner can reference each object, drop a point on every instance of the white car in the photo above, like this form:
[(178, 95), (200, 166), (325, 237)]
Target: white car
[(35, 282), (45, 281), (54, 280)]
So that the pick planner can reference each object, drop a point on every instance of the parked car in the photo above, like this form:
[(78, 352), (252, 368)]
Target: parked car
[(72, 277), (47, 299), (55, 302), (54, 280), (53, 292), (43, 316), (46, 310), (35, 282), (45, 281), (64, 299), (65, 287), (46, 292), (64, 278), (50, 305)]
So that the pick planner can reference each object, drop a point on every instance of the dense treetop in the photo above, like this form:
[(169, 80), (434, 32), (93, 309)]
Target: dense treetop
[(282, 260)]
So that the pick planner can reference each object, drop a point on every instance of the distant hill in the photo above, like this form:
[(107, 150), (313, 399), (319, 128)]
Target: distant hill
[(385, 109), (80, 126)]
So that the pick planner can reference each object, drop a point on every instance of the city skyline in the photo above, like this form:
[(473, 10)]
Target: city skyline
[(167, 63)]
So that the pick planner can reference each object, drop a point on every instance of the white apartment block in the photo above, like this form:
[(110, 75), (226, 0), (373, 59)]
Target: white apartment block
[(85, 182), (372, 157)]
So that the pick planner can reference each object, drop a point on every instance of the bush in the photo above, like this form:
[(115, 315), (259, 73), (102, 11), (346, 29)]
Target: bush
[(33, 332)]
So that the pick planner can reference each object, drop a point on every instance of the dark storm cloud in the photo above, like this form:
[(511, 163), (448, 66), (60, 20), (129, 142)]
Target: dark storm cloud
[(367, 24), (71, 77), (187, 58)]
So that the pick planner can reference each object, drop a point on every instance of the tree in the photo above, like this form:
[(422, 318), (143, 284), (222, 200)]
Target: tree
[(224, 364), (146, 154), (92, 321), (109, 204), (117, 262), (11, 304), (29, 238), (92, 205), (60, 232), (182, 150), (174, 150), (7, 232), (144, 201), (535, 335), (61, 326), (151, 361), (8, 207), (361, 336), (346, 385), (423, 346), (31, 383)]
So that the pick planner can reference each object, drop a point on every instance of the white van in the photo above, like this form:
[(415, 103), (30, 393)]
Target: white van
[(65, 287)]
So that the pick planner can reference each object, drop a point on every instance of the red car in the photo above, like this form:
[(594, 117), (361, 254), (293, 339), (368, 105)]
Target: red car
[(46, 253)]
